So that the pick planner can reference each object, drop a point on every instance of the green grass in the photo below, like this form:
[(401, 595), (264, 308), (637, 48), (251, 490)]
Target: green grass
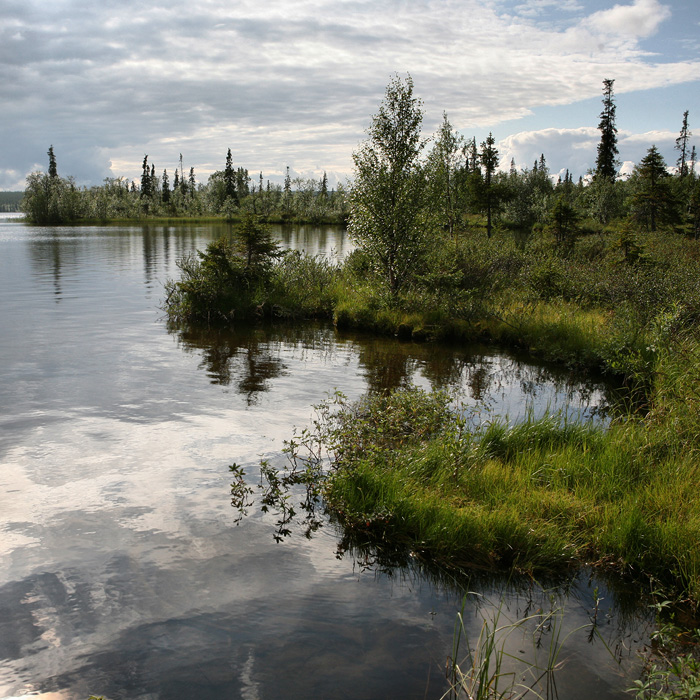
[(537, 497)]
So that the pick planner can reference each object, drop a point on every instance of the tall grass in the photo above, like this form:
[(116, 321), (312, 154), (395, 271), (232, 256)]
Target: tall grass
[(484, 668), (538, 497)]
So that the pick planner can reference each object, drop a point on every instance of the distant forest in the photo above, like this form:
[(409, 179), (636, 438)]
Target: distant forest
[(9, 201), (400, 176)]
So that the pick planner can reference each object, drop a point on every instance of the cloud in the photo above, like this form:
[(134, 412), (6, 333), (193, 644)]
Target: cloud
[(640, 19), (292, 83), (576, 149)]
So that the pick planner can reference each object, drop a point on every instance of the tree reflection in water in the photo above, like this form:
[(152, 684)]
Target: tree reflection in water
[(244, 358), (250, 357)]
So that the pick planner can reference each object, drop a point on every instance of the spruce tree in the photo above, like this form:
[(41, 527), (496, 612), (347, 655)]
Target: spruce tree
[(287, 197), (489, 162), (230, 178), (472, 155), (443, 166), (53, 171), (145, 178), (653, 201), (607, 162), (166, 188), (682, 147), (693, 160)]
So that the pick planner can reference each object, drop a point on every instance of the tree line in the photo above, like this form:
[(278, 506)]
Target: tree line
[(231, 193), (404, 186), (404, 190)]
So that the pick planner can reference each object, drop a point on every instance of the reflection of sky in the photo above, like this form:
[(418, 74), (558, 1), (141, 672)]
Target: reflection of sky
[(121, 569)]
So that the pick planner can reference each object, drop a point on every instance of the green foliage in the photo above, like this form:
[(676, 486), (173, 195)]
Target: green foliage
[(653, 201), (303, 286), (254, 243), (387, 216), (248, 277), (563, 222), (607, 161), (214, 287), (443, 171), (51, 200), (672, 664)]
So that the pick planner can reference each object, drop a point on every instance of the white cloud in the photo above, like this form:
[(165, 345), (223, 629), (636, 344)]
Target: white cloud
[(576, 149), (292, 83), (640, 19)]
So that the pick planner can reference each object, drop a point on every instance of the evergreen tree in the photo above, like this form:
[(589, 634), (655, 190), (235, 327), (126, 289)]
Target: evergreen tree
[(254, 242), (443, 165), (242, 183), (165, 195), (145, 179), (230, 179), (607, 162), (653, 202), (563, 221), (53, 171), (472, 155), (287, 197), (682, 147), (192, 182), (324, 185), (489, 162)]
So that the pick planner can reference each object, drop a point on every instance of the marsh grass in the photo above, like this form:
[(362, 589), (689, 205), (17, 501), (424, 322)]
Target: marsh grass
[(536, 497), (488, 667)]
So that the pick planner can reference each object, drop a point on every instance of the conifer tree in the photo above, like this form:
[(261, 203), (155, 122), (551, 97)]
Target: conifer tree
[(442, 167), (230, 178), (145, 177), (682, 147), (165, 195), (287, 197), (489, 162), (53, 171), (472, 155), (693, 160), (653, 200), (607, 161)]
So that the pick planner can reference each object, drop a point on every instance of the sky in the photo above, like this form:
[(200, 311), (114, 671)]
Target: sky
[(295, 82)]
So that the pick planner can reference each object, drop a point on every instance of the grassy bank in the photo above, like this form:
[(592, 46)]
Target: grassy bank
[(536, 497)]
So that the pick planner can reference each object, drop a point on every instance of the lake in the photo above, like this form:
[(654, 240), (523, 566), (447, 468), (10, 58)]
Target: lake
[(123, 572)]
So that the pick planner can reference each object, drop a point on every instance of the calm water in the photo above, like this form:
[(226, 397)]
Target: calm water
[(122, 571)]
